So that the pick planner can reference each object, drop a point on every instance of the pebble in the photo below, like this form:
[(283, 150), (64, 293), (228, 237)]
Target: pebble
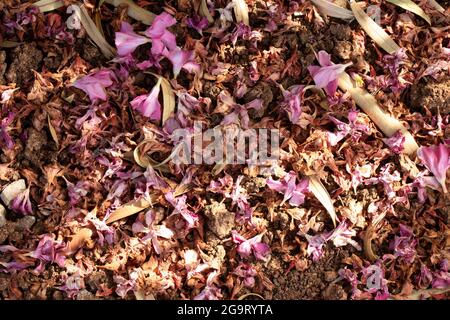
[(25, 223), (2, 216), (12, 190)]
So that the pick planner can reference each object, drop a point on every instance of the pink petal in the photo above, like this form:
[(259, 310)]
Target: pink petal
[(182, 60), (127, 41), (437, 160), (160, 24), (149, 104), (94, 84), (261, 251), (324, 58)]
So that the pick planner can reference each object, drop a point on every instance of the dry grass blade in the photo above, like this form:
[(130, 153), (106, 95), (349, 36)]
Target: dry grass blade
[(168, 97), (96, 36), (48, 5), (134, 11), (373, 29), (241, 11), (249, 295), (332, 10), (421, 294), (52, 131), (368, 237), (321, 193), (78, 240), (204, 11), (388, 124), (9, 44), (411, 6), (437, 6), (131, 208)]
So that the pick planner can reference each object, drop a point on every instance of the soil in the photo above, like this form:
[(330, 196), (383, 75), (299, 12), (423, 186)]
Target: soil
[(25, 59), (434, 95), (219, 220), (314, 282)]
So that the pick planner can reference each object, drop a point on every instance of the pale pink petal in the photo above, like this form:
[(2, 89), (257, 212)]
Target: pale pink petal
[(127, 41), (181, 59), (94, 84), (437, 160), (149, 104), (160, 24)]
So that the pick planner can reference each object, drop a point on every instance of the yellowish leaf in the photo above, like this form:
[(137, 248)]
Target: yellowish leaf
[(321, 193), (78, 240), (134, 11), (332, 10), (373, 29), (411, 6), (93, 32), (241, 11), (131, 208), (168, 100), (9, 44), (52, 131), (204, 11), (367, 102), (437, 6), (48, 5)]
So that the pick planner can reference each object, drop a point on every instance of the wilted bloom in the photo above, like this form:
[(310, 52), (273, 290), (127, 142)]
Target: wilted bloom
[(5, 138), (22, 203), (49, 251), (425, 277), (182, 59), (198, 23), (293, 192), (77, 191), (94, 84), (246, 272), (211, 291), (148, 105), (354, 128), (151, 231), (124, 285), (254, 245), (127, 40), (442, 277), (181, 208), (104, 232), (326, 76), (437, 160), (292, 102), (162, 39), (73, 284), (404, 246), (396, 142)]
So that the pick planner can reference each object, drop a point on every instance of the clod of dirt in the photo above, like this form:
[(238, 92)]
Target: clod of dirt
[(36, 140), (97, 278), (3, 66), (25, 59), (220, 220), (261, 90), (312, 283), (86, 295), (12, 190), (2, 216), (433, 95), (334, 292), (25, 223), (92, 54)]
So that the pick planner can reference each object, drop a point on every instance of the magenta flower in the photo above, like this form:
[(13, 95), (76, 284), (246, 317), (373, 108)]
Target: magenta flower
[(49, 251), (162, 39), (151, 231), (181, 208), (254, 245), (22, 203), (182, 59), (5, 138), (127, 41), (211, 291), (396, 142), (149, 104), (198, 23), (247, 273), (437, 160), (326, 75), (293, 192), (94, 84), (292, 103)]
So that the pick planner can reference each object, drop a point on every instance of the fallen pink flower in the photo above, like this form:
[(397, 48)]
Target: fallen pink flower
[(22, 203), (182, 59), (148, 105), (94, 84), (254, 245), (293, 192), (49, 251), (127, 41), (198, 23), (396, 142), (437, 160), (5, 138), (162, 39), (326, 75), (292, 103)]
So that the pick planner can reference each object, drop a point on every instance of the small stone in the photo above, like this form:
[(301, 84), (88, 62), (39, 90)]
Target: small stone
[(2, 216), (25, 223), (12, 190)]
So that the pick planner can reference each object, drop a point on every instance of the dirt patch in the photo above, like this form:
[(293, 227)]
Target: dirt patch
[(433, 95), (25, 59), (314, 282), (219, 220)]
